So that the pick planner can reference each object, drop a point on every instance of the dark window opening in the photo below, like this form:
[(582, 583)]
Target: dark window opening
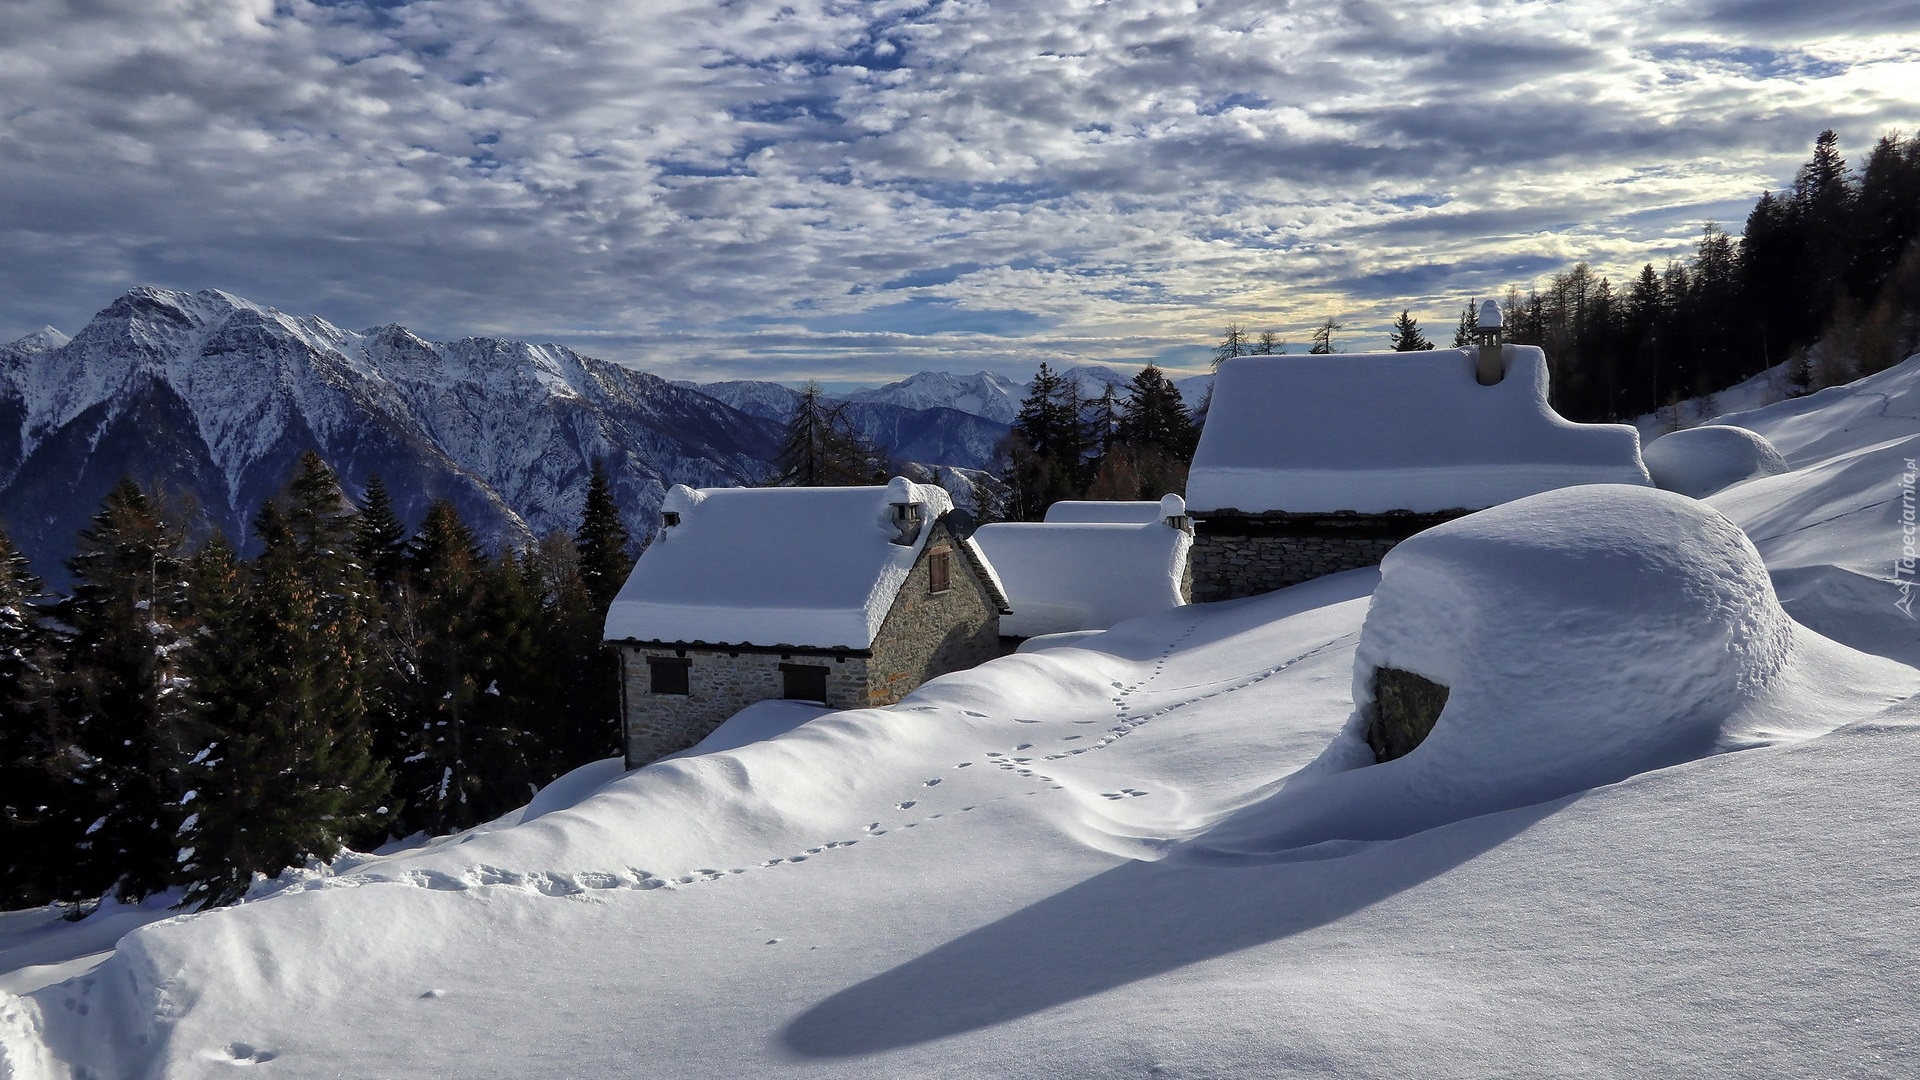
[(939, 570), (668, 674), (805, 682)]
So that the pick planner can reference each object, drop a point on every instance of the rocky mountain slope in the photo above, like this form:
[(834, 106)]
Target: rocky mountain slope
[(214, 397)]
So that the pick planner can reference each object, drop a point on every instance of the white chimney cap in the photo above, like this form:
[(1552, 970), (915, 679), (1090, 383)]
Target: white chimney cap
[(1489, 315)]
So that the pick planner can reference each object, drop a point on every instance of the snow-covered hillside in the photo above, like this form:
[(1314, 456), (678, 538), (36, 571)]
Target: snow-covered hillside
[(1155, 851)]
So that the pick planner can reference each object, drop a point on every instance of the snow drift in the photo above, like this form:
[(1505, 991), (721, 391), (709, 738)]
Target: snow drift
[(1698, 462), (1584, 635)]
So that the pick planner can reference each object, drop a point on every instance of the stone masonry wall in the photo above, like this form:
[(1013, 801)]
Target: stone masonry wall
[(1229, 567), (928, 634), (719, 684)]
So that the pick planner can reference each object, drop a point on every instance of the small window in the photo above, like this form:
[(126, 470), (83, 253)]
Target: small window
[(939, 570), (668, 673), (805, 682)]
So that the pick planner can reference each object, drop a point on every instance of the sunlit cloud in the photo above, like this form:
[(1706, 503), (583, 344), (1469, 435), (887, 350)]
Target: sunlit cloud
[(861, 190)]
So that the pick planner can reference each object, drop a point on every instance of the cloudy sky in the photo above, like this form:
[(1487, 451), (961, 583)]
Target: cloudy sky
[(794, 188)]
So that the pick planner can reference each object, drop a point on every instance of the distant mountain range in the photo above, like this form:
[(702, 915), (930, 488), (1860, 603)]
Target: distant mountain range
[(212, 398)]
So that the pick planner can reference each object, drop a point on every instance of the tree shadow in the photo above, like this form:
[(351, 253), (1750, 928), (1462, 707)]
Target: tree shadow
[(1133, 922)]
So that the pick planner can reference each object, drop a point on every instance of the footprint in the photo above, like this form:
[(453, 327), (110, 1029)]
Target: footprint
[(933, 781), (1024, 746), (873, 827), (963, 765), (908, 805), (245, 1054), (970, 712)]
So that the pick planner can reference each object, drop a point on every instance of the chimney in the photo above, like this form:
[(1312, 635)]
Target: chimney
[(1491, 366)]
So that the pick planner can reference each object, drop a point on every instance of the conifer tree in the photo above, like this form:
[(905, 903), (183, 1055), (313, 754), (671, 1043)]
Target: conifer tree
[(1323, 336), (119, 692), (444, 568), (34, 848), (1469, 322), (821, 447), (380, 540), (1154, 415), (284, 757), (1155, 440), (1407, 336), (1233, 342), (602, 542), (1046, 451)]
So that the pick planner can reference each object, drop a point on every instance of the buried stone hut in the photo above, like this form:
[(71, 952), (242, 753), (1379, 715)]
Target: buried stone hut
[(850, 597), (1309, 465)]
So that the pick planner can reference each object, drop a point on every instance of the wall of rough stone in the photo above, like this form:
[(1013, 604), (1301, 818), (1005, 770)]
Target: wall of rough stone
[(928, 634), (1229, 567), (719, 684)]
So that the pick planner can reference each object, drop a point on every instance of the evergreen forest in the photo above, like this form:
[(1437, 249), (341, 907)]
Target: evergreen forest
[(186, 719)]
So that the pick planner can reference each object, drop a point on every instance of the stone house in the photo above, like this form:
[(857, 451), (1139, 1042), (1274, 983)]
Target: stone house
[(850, 597), (1309, 465)]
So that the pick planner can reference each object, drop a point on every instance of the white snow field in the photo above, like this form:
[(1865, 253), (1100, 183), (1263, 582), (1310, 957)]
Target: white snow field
[(1661, 829)]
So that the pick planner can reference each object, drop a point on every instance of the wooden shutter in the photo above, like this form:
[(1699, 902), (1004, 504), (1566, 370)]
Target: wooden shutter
[(939, 570)]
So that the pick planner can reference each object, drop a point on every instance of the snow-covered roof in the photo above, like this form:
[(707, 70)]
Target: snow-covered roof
[(1136, 512), (808, 567), (1066, 576), (1374, 432)]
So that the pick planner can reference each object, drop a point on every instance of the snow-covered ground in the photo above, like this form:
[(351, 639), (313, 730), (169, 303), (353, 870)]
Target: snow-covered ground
[(1140, 853)]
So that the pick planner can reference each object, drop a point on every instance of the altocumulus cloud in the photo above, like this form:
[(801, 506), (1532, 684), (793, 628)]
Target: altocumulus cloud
[(784, 188)]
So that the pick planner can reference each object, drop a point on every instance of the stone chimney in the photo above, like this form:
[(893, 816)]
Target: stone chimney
[(1492, 366)]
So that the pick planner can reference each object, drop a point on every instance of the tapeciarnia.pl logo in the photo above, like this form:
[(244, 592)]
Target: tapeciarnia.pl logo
[(1903, 567)]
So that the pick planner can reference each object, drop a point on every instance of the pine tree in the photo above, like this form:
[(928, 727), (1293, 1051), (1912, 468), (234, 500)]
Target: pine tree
[(1154, 415), (1463, 334), (34, 849), (1047, 449), (380, 540), (436, 776), (280, 713), (119, 692), (602, 541), (1407, 336)]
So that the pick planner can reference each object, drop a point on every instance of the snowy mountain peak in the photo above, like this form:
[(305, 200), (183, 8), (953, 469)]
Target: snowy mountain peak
[(211, 394), (983, 393), (40, 340)]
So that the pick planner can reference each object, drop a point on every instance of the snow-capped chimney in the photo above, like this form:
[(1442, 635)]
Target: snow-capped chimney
[(1173, 513), (1492, 366)]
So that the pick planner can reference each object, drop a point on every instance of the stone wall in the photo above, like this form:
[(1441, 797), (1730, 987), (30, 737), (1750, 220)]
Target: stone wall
[(1237, 555), (719, 684), (928, 634)]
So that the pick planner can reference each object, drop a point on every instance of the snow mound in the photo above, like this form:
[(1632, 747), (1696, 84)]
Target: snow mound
[(1584, 635), (1699, 461)]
